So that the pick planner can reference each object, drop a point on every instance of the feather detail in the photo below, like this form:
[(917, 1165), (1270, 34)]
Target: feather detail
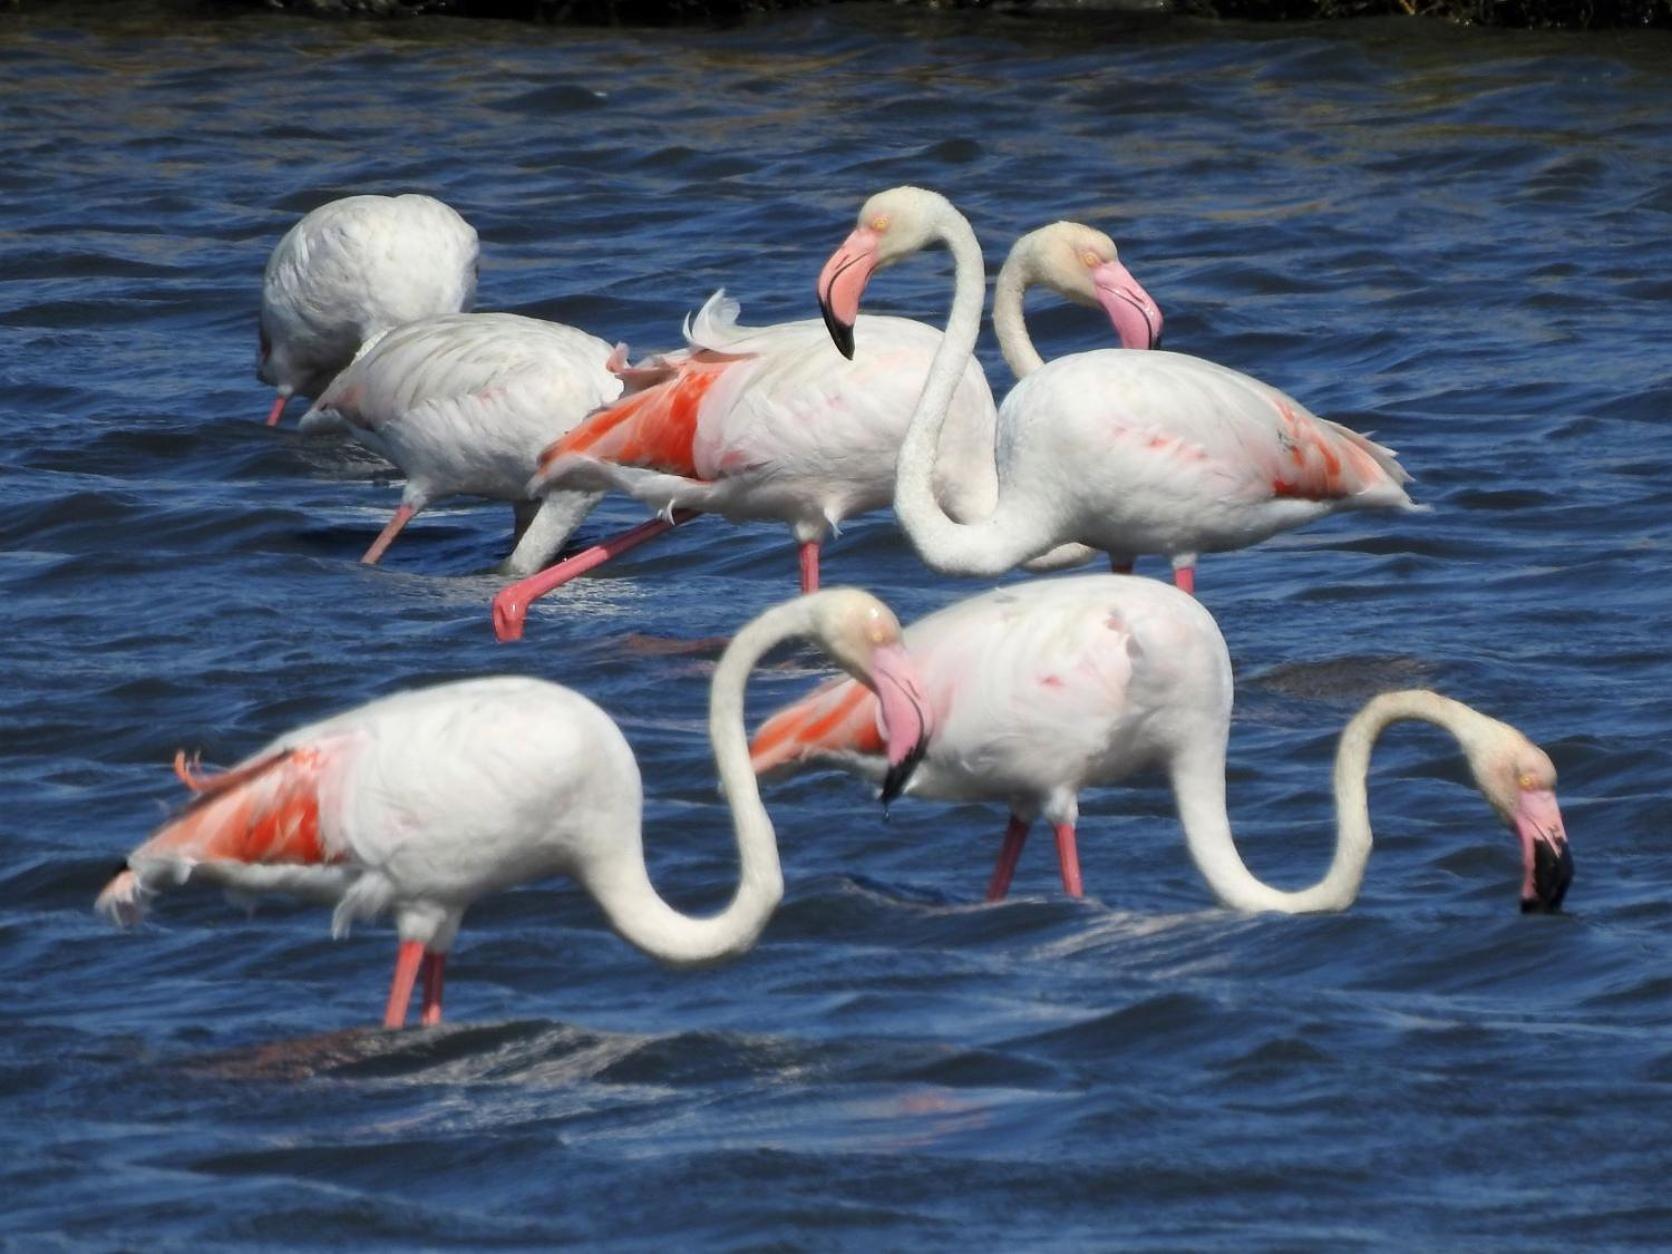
[(837, 717)]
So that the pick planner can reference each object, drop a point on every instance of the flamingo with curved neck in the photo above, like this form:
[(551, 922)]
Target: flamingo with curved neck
[(1130, 453), (420, 803), (1040, 690)]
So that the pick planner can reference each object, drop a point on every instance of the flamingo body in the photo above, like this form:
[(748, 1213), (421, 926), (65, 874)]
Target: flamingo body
[(771, 423), (1149, 452), (464, 404), (350, 269)]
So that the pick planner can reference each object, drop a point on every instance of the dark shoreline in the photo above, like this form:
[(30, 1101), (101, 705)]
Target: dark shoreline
[(1523, 14)]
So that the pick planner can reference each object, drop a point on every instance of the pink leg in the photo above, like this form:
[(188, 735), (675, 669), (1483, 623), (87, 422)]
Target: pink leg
[(277, 412), (386, 537), (1014, 835), (434, 973), (809, 567), (510, 607), (407, 958), (1119, 565), (1185, 578), (1068, 858)]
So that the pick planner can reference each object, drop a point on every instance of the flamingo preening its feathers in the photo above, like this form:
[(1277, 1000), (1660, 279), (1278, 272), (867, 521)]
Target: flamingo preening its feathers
[(1040, 690), (349, 270), (420, 803), (1131, 453)]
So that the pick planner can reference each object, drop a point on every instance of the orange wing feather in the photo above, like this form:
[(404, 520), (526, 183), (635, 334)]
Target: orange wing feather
[(265, 812), (835, 717), (654, 427)]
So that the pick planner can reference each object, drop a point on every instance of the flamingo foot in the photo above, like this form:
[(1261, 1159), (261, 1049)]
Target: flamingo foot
[(407, 958), (1015, 835), (809, 566), (510, 606), (386, 537), (1068, 858), (277, 412), (433, 972)]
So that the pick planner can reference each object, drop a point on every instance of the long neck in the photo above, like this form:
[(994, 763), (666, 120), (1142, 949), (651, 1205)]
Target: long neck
[(997, 542), (634, 907), (1008, 322), (1199, 786)]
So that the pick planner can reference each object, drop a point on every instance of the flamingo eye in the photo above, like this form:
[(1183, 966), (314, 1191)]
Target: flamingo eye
[(879, 224), (1091, 259), (1527, 781)]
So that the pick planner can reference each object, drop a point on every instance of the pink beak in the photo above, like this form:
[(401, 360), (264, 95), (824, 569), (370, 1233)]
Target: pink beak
[(1137, 318), (840, 283), (907, 721), (1547, 862)]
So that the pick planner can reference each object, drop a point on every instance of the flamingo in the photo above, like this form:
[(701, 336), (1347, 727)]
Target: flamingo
[(1038, 690), (464, 404), (767, 423), (1130, 453), (349, 269), (424, 801)]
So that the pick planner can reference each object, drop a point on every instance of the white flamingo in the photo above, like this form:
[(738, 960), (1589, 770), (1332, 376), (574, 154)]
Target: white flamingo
[(1131, 453), (420, 803), (464, 404), (1039, 690), (349, 269)]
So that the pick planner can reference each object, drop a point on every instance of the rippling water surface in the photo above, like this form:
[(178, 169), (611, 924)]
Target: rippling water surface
[(1455, 239)]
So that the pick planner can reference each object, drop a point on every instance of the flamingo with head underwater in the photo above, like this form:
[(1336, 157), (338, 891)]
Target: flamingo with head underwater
[(769, 423), (464, 404), (1130, 453), (1039, 690), (420, 803), (350, 269)]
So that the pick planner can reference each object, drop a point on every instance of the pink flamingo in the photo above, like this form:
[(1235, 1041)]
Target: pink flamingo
[(1039, 690), (464, 404), (1130, 453), (420, 803), (791, 431), (350, 269)]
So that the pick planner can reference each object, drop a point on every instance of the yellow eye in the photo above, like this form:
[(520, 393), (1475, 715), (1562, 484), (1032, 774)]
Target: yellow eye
[(879, 224), (1091, 259), (1527, 781)]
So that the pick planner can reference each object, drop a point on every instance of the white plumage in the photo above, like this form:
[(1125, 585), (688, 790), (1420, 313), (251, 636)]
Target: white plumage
[(353, 268)]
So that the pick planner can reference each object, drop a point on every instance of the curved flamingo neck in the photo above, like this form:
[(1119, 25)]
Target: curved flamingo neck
[(1199, 788), (634, 907), (1019, 274), (1007, 536)]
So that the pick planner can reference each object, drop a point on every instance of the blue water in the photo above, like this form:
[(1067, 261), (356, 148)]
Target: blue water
[(1456, 239)]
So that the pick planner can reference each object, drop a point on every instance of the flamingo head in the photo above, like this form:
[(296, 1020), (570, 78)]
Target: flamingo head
[(892, 225), (864, 638), (1081, 264), (1519, 780)]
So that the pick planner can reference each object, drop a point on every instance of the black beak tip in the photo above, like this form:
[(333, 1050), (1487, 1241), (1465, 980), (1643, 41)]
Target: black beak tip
[(899, 775), (841, 333), (1552, 874)]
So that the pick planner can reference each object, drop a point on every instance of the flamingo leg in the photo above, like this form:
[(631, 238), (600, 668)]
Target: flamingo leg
[(1068, 857), (1120, 565), (1185, 579), (434, 973), (1014, 836), (386, 537), (809, 566), (510, 607), (407, 958), (277, 412)]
